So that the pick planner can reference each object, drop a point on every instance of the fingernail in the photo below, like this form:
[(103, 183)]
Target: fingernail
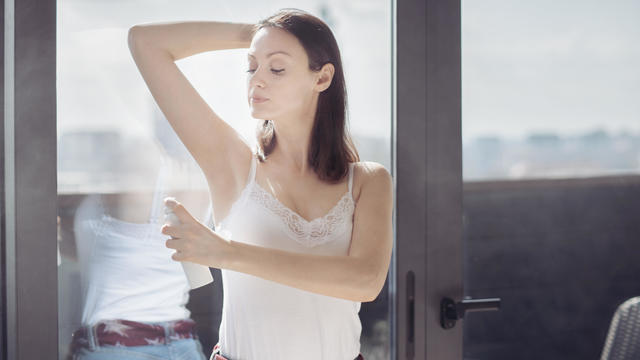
[(170, 201)]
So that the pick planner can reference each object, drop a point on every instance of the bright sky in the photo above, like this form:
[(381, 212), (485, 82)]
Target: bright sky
[(560, 66)]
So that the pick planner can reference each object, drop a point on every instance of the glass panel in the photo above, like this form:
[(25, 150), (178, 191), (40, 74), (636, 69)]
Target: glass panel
[(118, 154), (551, 131), (550, 90)]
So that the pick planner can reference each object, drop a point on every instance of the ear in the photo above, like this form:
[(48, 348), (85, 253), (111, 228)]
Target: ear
[(325, 76)]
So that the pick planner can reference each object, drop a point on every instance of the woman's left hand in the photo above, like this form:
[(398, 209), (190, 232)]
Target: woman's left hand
[(192, 240)]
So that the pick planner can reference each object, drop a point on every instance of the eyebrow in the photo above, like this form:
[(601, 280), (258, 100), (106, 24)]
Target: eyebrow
[(273, 53)]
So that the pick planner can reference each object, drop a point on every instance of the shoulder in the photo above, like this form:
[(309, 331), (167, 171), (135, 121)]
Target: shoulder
[(372, 178), (371, 171)]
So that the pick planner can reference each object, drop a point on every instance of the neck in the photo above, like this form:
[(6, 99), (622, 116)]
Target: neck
[(293, 139)]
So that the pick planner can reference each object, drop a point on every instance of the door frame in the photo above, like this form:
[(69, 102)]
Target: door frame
[(428, 172), (29, 244)]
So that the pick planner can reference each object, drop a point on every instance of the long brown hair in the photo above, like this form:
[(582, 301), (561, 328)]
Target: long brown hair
[(331, 148)]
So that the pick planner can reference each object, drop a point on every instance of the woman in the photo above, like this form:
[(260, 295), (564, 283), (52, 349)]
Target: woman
[(133, 296), (296, 262)]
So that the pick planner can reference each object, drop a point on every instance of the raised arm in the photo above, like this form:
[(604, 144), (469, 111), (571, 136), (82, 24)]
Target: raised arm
[(218, 149), (186, 38)]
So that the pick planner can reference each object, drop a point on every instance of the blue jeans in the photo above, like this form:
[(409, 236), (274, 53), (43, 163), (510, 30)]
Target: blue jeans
[(185, 349), (182, 349)]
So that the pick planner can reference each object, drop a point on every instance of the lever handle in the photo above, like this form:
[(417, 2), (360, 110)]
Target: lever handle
[(451, 311), (411, 280)]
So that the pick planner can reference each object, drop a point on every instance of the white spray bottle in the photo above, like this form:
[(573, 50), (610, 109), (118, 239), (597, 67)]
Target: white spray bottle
[(198, 275)]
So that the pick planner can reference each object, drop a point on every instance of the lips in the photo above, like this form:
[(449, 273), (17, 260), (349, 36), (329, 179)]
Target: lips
[(258, 99)]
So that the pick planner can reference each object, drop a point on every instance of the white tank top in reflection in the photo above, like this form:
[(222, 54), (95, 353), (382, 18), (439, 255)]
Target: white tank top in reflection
[(266, 320), (126, 269)]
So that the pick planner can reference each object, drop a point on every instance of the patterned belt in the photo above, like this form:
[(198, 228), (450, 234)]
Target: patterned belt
[(217, 355), (131, 333)]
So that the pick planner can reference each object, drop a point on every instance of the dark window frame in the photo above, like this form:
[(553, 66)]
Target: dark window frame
[(29, 258), (428, 146)]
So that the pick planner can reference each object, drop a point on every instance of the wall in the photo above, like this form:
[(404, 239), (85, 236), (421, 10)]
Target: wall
[(561, 254)]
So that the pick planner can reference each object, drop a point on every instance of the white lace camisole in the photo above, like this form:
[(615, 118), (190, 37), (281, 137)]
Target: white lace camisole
[(266, 320), (126, 269)]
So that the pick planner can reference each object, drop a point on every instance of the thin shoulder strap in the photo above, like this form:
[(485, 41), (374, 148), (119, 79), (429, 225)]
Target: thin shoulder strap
[(252, 171), (351, 165)]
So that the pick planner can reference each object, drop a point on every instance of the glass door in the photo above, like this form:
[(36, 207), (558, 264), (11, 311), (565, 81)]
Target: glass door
[(114, 145), (551, 145)]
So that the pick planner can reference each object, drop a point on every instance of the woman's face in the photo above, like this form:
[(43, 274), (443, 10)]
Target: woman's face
[(279, 82)]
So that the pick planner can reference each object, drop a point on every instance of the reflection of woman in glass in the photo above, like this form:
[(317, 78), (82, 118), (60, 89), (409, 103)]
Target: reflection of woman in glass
[(307, 232), (133, 296)]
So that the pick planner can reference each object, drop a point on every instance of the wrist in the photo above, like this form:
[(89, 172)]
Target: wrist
[(226, 252), (232, 255)]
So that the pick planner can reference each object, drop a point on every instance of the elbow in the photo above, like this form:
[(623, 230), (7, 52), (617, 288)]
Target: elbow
[(140, 41), (368, 297), (137, 36), (371, 285), (371, 293), (132, 36), (131, 33)]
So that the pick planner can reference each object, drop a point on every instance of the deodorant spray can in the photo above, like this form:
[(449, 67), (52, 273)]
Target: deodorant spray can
[(197, 275)]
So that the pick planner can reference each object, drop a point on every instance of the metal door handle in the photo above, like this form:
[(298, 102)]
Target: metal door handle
[(411, 288), (450, 311)]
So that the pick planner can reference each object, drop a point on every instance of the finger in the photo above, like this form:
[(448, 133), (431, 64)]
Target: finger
[(177, 256), (174, 244), (170, 202), (179, 209), (171, 230)]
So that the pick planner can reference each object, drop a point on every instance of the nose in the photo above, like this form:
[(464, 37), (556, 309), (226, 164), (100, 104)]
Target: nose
[(255, 79)]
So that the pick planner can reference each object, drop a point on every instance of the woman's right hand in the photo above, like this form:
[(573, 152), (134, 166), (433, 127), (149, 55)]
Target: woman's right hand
[(193, 241)]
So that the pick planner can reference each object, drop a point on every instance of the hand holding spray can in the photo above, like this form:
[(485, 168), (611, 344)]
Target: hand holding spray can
[(197, 275)]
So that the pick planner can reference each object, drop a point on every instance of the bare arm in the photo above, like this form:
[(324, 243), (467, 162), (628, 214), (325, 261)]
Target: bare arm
[(358, 276), (183, 39), (216, 146)]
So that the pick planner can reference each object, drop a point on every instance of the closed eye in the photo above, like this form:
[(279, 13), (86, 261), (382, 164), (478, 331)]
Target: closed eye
[(275, 71)]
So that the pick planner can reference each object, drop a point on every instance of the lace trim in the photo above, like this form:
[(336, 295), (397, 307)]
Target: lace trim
[(308, 233)]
